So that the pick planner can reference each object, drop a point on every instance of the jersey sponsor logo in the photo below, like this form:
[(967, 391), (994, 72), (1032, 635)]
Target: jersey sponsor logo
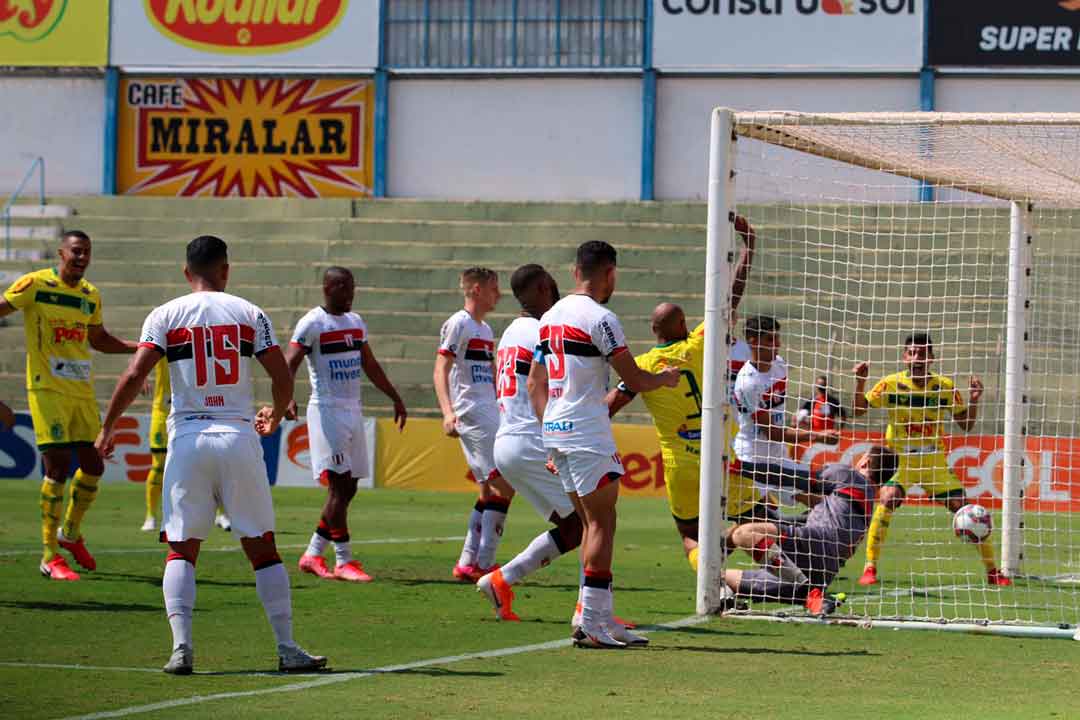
[(67, 369), (62, 334), (481, 373), (562, 426), (689, 434), (259, 27), (345, 370), (609, 335)]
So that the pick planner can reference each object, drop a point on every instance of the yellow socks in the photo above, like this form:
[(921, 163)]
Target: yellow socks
[(986, 552), (153, 486), (875, 537), (83, 491), (52, 496), (691, 557)]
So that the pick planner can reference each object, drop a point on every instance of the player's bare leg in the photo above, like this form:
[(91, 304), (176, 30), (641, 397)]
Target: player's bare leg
[(986, 548), (890, 497), (761, 540), (688, 531), (272, 585)]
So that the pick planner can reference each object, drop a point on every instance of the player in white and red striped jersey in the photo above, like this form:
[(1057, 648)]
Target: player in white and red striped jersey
[(519, 446), (465, 387), (334, 340), (568, 381), (208, 338)]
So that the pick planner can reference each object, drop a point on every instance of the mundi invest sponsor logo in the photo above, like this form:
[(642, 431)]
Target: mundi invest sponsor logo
[(245, 26)]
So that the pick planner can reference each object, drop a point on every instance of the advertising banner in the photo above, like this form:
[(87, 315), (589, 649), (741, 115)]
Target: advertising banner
[(423, 458), (246, 136), (1005, 33), (793, 35), (285, 453), (54, 32), (248, 34)]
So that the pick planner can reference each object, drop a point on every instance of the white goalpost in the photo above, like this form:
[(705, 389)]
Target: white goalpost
[(853, 256)]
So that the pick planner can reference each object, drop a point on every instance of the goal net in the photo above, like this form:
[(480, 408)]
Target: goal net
[(872, 227)]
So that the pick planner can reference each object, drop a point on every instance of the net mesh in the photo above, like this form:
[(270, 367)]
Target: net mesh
[(853, 254)]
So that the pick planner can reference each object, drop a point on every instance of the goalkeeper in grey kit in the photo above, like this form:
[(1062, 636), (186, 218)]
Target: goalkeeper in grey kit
[(800, 560)]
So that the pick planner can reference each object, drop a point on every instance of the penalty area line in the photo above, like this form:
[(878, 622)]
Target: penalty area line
[(235, 548), (335, 679)]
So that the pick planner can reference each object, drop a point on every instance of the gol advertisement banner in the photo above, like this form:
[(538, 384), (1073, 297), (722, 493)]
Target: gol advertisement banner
[(54, 32), (246, 137), (1051, 467), (423, 458), (247, 34)]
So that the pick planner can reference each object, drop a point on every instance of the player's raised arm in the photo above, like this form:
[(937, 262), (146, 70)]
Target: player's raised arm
[(859, 404), (742, 272), (127, 389), (378, 378), (967, 417)]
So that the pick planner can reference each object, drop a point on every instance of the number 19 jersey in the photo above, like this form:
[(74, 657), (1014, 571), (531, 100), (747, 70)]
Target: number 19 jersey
[(208, 339), (578, 336)]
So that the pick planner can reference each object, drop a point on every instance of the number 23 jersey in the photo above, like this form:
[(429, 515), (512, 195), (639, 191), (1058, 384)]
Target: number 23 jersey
[(209, 339)]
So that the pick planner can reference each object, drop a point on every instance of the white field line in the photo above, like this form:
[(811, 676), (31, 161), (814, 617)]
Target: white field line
[(235, 548), (332, 679)]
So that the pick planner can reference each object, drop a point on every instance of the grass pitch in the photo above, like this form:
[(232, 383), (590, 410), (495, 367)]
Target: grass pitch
[(112, 624)]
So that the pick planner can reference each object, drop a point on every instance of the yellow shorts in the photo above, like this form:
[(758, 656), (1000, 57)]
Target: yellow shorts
[(682, 479), (929, 471), (159, 433), (61, 421)]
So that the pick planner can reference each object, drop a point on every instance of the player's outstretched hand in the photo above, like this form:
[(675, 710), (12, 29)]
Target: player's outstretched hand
[(975, 388), (291, 411), (449, 425), (265, 422), (862, 371), (670, 376), (105, 443), (400, 415)]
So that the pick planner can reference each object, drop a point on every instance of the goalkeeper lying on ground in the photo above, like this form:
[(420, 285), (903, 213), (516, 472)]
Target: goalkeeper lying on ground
[(799, 561)]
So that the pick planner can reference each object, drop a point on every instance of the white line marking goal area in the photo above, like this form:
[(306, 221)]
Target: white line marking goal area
[(161, 548), (331, 678)]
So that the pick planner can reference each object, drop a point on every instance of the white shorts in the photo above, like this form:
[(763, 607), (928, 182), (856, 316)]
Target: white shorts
[(336, 441), (478, 444), (205, 469), (582, 471), (521, 460)]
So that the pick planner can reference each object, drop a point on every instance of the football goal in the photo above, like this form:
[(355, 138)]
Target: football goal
[(938, 256)]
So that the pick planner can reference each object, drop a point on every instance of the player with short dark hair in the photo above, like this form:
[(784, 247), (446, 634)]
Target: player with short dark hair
[(918, 401), (63, 320), (519, 444), (335, 342), (567, 383), (465, 387), (800, 560), (208, 338)]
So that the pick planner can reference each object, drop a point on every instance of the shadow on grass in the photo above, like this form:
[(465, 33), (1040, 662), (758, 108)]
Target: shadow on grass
[(765, 651), (523, 588), (82, 606), (427, 671), (155, 580)]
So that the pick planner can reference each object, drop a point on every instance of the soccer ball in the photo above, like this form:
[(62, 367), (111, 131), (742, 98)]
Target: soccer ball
[(972, 523)]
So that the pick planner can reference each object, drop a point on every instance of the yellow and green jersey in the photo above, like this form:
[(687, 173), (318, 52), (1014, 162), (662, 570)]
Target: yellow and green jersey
[(162, 401), (916, 414), (56, 318)]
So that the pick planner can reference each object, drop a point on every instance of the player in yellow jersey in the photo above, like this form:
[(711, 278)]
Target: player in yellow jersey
[(919, 402), (62, 317), (676, 412)]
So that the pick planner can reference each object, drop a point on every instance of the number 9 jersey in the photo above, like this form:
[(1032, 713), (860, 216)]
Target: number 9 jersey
[(208, 339)]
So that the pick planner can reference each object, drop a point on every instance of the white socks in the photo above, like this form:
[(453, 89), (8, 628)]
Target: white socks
[(596, 606), (272, 585), (342, 552), (472, 536), (178, 586), (491, 530), (541, 551), (317, 545)]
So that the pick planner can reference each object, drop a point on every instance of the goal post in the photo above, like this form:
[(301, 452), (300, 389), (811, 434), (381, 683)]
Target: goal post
[(851, 259)]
